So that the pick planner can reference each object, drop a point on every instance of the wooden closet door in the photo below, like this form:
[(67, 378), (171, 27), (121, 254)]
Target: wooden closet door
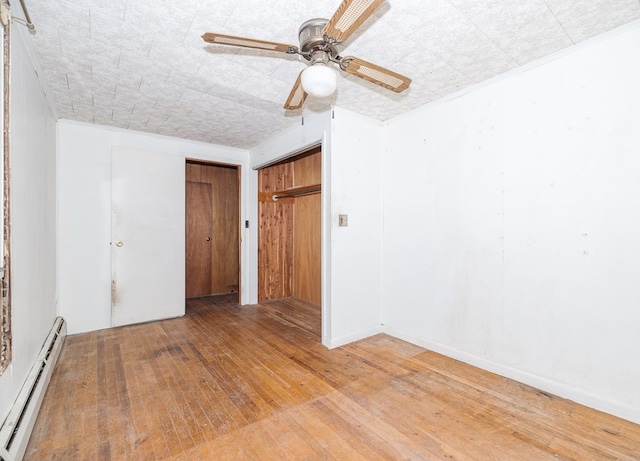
[(199, 200)]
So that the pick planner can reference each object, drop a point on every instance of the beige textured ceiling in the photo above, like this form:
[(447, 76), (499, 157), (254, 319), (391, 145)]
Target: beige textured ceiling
[(141, 64)]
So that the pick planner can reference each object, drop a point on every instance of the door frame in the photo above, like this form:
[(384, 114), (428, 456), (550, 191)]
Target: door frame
[(315, 130), (240, 215)]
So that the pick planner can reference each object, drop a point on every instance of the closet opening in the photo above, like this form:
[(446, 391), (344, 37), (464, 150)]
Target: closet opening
[(290, 229)]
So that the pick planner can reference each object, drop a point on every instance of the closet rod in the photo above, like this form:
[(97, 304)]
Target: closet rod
[(296, 194)]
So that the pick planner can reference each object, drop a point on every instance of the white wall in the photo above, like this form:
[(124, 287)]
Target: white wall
[(356, 250), (84, 214), (511, 223), (33, 238)]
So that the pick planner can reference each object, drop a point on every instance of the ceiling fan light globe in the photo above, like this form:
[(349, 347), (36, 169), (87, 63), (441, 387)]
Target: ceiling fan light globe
[(319, 80)]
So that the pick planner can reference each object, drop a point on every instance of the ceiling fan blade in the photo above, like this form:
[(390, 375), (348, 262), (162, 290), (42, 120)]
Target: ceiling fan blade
[(375, 74), (297, 96), (232, 40), (348, 17)]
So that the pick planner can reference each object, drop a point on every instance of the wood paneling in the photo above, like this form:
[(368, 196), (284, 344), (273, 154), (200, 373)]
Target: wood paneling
[(289, 230), (225, 222), (307, 168), (198, 239), (275, 250), (276, 177), (307, 249), (275, 235), (254, 383)]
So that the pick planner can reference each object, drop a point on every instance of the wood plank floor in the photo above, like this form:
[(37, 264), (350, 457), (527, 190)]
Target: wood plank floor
[(232, 383)]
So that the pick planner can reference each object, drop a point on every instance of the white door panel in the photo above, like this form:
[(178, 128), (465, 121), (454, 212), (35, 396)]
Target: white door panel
[(147, 236)]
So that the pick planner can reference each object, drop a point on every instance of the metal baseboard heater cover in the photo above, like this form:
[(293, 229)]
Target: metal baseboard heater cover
[(16, 430)]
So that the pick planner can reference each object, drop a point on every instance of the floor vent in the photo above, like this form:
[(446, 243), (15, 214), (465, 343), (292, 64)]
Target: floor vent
[(16, 430)]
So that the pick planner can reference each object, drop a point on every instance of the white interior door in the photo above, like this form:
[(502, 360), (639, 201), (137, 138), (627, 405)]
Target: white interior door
[(147, 236)]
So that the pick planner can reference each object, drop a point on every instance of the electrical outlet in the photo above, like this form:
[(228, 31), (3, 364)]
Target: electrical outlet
[(343, 220)]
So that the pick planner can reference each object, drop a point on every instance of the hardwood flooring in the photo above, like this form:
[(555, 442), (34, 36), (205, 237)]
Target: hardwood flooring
[(232, 383)]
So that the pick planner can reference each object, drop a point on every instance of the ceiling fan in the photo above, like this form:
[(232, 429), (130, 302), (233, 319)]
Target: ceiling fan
[(318, 44)]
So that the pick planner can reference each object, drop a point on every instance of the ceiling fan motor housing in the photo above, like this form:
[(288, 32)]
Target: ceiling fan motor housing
[(311, 38)]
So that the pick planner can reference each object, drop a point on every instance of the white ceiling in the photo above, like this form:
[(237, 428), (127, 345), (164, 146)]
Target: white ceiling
[(142, 65)]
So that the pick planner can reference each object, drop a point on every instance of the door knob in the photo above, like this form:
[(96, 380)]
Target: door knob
[(207, 238), (119, 243)]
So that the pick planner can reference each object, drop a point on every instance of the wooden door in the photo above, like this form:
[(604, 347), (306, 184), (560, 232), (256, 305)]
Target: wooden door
[(213, 213), (226, 226), (147, 232), (199, 208)]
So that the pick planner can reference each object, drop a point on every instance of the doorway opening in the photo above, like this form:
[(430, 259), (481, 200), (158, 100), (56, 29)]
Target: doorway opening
[(212, 229), (290, 229)]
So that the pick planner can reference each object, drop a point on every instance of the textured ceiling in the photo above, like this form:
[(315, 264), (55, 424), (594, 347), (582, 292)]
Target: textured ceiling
[(142, 65)]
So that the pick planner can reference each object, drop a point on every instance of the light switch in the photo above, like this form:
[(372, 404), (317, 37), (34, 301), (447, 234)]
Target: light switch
[(343, 220)]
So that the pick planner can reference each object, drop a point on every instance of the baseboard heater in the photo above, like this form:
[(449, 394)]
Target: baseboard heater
[(16, 430)]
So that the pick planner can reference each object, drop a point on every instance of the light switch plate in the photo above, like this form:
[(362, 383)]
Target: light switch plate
[(343, 220)]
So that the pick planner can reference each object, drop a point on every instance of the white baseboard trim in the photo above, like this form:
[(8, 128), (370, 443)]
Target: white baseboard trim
[(16, 429), (561, 390), (342, 340)]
